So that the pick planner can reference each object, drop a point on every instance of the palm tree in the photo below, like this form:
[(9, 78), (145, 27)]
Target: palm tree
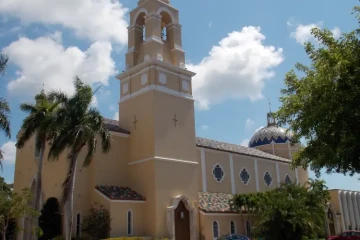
[(4, 109), (4, 123), (80, 126), (38, 122)]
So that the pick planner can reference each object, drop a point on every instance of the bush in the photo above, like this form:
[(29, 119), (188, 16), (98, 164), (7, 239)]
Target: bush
[(50, 219), (97, 224)]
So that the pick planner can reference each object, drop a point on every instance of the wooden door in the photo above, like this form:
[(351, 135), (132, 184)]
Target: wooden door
[(182, 222)]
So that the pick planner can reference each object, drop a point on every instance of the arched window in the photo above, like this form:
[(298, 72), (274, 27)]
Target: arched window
[(78, 226), (232, 227), (248, 229), (216, 232), (218, 172), (129, 223)]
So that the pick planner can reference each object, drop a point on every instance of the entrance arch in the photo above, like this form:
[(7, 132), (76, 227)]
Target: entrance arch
[(181, 219)]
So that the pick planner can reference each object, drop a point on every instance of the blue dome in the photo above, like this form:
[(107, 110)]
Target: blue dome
[(268, 134)]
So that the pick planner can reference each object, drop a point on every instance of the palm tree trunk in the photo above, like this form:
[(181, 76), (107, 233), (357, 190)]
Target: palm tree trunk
[(69, 204), (39, 177)]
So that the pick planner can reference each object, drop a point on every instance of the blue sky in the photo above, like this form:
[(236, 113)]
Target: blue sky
[(50, 41)]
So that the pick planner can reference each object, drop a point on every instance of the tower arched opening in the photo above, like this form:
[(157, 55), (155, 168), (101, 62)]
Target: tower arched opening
[(165, 21)]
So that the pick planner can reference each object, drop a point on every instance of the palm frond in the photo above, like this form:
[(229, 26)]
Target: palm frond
[(3, 63), (105, 140), (91, 151), (4, 117), (1, 159), (28, 108), (58, 96), (28, 129)]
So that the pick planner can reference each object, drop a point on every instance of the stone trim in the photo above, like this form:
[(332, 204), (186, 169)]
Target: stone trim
[(170, 216)]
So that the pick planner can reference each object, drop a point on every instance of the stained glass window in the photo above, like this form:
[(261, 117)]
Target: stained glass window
[(218, 173), (215, 229), (268, 179), (248, 229), (232, 228), (287, 179), (244, 175), (129, 222)]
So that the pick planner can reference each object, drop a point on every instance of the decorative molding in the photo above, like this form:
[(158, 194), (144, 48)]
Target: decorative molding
[(223, 172), (244, 168), (170, 216), (163, 159), (154, 63), (159, 89), (203, 170), (232, 174), (174, 25), (153, 38), (185, 85), (221, 214), (152, 15), (162, 78), (256, 176), (125, 88), (117, 201), (144, 79)]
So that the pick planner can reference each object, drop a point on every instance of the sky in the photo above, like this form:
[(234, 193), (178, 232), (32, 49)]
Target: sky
[(240, 50)]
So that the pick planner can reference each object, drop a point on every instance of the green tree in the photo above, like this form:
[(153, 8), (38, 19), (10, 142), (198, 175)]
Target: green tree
[(81, 125), (50, 219), (320, 103), (15, 206), (289, 212), (97, 224), (39, 122)]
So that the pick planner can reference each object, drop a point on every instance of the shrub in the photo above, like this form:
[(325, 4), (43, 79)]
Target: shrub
[(97, 224), (50, 219)]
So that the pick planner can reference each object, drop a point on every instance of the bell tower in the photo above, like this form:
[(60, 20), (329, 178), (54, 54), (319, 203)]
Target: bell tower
[(157, 107)]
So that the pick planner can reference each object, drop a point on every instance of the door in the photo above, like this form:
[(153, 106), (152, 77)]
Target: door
[(182, 222)]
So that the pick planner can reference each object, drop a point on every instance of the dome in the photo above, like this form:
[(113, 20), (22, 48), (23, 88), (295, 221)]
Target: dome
[(268, 134)]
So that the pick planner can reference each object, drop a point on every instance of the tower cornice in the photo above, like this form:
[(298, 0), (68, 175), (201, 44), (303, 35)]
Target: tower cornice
[(155, 62)]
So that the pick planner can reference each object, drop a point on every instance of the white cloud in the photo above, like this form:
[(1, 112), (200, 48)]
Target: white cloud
[(9, 152), (245, 142), (302, 33), (116, 116), (94, 102), (249, 123), (204, 127), (336, 32), (56, 36), (45, 60), (236, 68), (96, 20)]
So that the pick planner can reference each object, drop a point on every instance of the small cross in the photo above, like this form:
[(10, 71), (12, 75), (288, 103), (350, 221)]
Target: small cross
[(135, 121), (175, 120)]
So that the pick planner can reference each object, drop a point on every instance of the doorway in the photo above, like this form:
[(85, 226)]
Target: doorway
[(182, 222)]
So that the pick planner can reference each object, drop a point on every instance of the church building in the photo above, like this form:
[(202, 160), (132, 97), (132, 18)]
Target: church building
[(159, 179)]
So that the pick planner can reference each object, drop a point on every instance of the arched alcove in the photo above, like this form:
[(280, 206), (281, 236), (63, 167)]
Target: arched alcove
[(166, 19)]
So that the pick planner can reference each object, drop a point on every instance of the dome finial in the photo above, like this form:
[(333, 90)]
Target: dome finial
[(270, 119)]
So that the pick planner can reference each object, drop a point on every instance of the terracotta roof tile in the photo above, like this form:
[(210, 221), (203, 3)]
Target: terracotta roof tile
[(215, 202), (120, 193), (233, 148), (113, 125)]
